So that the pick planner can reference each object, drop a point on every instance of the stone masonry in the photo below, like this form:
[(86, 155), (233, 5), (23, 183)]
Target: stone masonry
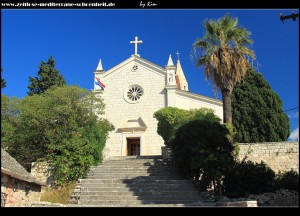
[(17, 193), (18, 187), (42, 171), (280, 156)]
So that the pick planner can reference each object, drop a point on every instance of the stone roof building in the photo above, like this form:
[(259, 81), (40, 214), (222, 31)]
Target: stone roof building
[(18, 187)]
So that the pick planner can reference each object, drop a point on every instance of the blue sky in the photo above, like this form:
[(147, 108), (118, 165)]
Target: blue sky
[(77, 39)]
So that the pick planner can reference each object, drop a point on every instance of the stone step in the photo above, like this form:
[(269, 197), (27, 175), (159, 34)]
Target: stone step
[(139, 168), (137, 176), (135, 206), (134, 197), (131, 165), (139, 193), (140, 180), (134, 181), (168, 172), (136, 187), (134, 161), (120, 170), (133, 171), (151, 157), (163, 205), (133, 202)]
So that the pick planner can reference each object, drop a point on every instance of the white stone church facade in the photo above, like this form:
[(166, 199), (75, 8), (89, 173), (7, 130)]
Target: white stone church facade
[(132, 91)]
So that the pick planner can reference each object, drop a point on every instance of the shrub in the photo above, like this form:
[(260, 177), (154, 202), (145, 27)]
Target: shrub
[(248, 178), (287, 180), (201, 148), (170, 119)]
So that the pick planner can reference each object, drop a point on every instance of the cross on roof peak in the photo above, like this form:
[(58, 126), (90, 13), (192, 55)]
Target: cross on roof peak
[(178, 53), (136, 42)]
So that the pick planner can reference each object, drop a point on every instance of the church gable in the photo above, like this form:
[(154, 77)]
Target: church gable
[(134, 64)]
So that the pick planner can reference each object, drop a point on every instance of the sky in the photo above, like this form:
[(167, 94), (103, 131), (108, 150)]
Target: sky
[(77, 39)]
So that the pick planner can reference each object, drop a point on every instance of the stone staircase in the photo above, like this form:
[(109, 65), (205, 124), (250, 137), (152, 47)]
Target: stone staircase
[(136, 181)]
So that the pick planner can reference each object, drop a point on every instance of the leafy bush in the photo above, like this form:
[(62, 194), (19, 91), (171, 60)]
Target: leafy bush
[(171, 118), (287, 180), (248, 178), (201, 149), (60, 126)]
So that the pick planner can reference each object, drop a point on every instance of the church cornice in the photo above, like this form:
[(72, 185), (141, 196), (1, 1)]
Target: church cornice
[(199, 97)]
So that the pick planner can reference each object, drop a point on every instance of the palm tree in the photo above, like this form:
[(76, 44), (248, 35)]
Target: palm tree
[(225, 56)]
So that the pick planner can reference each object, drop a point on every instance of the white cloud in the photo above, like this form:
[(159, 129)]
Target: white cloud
[(294, 134), (294, 115)]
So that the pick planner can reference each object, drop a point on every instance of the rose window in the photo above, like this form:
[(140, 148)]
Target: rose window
[(133, 94)]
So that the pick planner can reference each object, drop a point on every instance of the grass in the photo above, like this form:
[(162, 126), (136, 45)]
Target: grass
[(58, 195)]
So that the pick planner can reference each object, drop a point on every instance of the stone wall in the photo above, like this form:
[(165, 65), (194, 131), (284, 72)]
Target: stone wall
[(280, 156), (281, 197), (17, 193), (42, 172)]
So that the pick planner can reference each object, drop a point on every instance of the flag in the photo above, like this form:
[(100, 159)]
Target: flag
[(99, 83)]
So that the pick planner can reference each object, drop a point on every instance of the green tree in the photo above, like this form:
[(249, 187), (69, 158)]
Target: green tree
[(257, 111), (172, 118), (47, 77), (61, 126), (10, 110), (3, 82), (224, 54)]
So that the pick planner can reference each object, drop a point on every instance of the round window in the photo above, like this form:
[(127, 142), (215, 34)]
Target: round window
[(134, 94)]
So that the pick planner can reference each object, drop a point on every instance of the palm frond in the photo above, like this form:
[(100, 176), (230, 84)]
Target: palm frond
[(201, 44), (224, 51), (201, 61)]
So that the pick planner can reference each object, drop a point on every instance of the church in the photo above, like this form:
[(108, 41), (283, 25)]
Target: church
[(132, 91)]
